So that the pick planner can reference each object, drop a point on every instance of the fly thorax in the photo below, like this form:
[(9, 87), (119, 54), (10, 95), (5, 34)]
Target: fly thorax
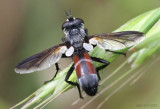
[(75, 36)]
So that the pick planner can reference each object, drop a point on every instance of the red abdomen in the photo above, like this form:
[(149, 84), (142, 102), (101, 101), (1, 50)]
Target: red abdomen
[(83, 65)]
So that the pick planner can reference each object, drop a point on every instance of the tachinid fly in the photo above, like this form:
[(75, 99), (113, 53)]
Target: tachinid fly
[(76, 44)]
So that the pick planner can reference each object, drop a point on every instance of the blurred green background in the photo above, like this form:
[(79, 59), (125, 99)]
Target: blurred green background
[(30, 26)]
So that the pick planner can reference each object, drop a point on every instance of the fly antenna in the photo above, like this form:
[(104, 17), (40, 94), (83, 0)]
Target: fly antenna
[(69, 16), (65, 12)]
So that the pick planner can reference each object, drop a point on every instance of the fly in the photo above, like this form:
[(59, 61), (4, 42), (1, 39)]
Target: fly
[(76, 44)]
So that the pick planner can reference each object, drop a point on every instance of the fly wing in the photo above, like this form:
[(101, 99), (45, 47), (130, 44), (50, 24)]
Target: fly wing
[(41, 60), (117, 40)]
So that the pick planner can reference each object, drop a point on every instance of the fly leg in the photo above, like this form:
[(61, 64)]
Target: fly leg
[(73, 83), (86, 31), (106, 63), (57, 69), (117, 52)]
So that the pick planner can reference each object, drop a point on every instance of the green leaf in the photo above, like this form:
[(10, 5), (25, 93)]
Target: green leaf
[(148, 48)]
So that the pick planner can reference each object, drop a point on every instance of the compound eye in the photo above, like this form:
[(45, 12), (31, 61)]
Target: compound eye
[(79, 21), (65, 25), (74, 23)]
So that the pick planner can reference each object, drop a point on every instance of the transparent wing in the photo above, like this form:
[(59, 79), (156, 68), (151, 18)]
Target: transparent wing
[(117, 40), (41, 60)]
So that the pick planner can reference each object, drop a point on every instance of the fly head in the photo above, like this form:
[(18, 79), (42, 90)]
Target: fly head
[(74, 29)]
